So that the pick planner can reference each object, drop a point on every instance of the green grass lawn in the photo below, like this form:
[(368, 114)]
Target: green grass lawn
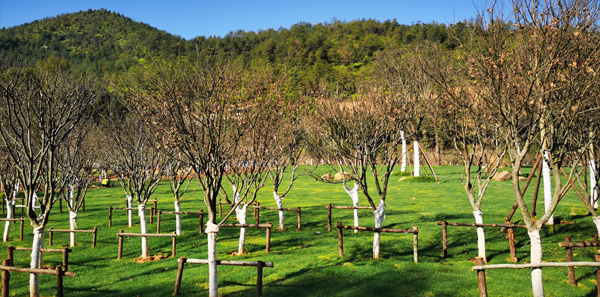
[(307, 262)]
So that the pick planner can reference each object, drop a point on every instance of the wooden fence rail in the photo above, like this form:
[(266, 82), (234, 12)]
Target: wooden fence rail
[(507, 226), (480, 268), (568, 245), (110, 211), (297, 210), (94, 234), (267, 226), (200, 215), (7, 267), (121, 235), (65, 254), (258, 264), (22, 220), (414, 231), (330, 207)]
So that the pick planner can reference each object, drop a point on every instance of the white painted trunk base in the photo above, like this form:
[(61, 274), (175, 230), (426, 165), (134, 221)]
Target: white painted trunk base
[(129, 212), (177, 218), (537, 281), (72, 226), (597, 223), (404, 153), (142, 215), (213, 286), (547, 186), (10, 214), (593, 184), (354, 196), (379, 214), (279, 201), (417, 171), (36, 256), (478, 214), (240, 213)]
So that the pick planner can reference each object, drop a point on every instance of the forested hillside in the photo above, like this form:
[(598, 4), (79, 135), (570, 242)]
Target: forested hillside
[(315, 57)]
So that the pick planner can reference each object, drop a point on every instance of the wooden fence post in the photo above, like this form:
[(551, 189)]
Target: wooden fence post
[(59, 281), (257, 214), (329, 217), (11, 250), (22, 227), (155, 206), (220, 208), (569, 252), (95, 237), (259, 273), (511, 243), (416, 244), (65, 260), (299, 219), (152, 215), (444, 239), (268, 244), (481, 278), (340, 239), (51, 237), (120, 254), (201, 220), (598, 276), (5, 278), (110, 216), (182, 261), (174, 244), (158, 222)]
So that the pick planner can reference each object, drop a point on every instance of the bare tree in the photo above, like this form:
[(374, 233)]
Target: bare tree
[(363, 134), (138, 162), (10, 185), (179, 176), (203, 109), (519, 71), (41, 107)]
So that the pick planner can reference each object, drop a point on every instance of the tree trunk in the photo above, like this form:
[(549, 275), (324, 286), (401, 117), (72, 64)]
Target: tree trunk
[(537, 281), (354, 195), (177, 218), (213, 286), (10, 209), (240, 213), (129, 212), (142, 215), (593, 190), (36, 247), (404, 152), (279, 202), (547, 186), (478, 214), (379, 214), (72, 226), (417, 171)]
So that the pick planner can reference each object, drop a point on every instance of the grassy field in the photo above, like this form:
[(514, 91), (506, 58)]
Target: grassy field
[(307, 262)]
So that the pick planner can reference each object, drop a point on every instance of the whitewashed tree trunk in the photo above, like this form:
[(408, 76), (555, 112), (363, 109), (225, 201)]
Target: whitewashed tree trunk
[(177, 218), (547, 186), (129, 211), (404, 153), (36, 256), (279, 201), (10, 213), (240, 212), (597, 223), (213, 286), (593, 185), (478, 214), (379, 214), (354, 195), (537, 281), (142, 215), (72, 226), (417, 171)]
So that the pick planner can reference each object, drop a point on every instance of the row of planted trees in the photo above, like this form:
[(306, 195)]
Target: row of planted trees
[(518, 85)]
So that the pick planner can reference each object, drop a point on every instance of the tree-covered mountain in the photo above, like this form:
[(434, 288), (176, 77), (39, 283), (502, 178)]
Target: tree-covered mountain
[(317, 58)]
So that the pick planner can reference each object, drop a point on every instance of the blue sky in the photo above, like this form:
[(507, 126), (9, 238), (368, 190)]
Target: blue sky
[(189, 18)]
